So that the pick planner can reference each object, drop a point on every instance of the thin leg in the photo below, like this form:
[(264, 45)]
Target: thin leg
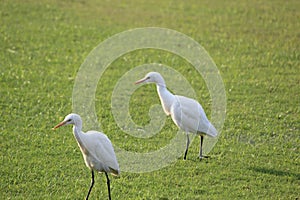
[(187, 146), (92, 184), (200, 151), (201, 143), (108, 186)]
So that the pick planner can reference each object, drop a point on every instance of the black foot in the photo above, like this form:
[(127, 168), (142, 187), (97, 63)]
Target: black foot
[(201, 157)]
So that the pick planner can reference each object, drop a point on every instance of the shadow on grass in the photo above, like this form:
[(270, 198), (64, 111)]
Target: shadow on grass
[(275, 172)]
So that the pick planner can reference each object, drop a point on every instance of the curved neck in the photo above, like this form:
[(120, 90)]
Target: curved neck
[(77, 134), (77, 126), (166, 98), (161, 84)]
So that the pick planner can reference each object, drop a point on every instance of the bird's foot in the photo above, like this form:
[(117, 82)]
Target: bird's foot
[(201, 157)]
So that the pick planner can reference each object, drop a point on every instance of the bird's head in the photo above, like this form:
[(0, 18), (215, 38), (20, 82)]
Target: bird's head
[(72, 118), (152, 77)]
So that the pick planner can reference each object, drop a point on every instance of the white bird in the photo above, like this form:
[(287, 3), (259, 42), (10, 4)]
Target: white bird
[(97, 150), (185, 112)]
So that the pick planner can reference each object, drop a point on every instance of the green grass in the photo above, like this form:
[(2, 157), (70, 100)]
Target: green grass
[(255, 45)]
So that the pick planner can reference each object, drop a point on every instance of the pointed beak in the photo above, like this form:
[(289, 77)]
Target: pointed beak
[(140, 81), (59, 125)]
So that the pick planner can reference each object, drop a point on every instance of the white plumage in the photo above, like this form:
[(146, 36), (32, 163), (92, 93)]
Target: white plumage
[(96, 148), (185, 112)]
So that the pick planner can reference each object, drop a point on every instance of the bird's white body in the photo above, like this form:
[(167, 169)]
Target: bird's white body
[(97, 151), (185, 112)]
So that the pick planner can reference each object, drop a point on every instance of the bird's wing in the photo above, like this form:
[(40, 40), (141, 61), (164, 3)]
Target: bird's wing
[(104, 151), (189, 115)]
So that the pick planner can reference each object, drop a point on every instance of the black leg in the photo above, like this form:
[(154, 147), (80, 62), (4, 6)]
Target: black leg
[(92, 184), (200, 151), (201, 143), (187, 146), (108, 186)]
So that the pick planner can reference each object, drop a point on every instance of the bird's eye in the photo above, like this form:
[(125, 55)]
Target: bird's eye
[(69, 120)]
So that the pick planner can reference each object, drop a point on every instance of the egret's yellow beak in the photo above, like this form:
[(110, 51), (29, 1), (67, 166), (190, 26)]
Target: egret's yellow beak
[(59, 125), (140, 81)]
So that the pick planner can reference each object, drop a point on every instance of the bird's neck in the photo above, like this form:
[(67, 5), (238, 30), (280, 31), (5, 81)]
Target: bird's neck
[(78, 134), (166, 98)]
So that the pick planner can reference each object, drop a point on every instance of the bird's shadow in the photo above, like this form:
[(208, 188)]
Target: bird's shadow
[(275, 172)]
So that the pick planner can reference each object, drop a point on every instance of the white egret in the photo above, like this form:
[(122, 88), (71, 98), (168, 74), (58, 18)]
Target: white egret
[(185, 112), (97, 150)]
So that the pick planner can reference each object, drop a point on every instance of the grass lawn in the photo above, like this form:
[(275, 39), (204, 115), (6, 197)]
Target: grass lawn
[(255, 45)]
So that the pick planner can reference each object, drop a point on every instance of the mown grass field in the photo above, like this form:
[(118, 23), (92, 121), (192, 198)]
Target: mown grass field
[(255, 45)]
